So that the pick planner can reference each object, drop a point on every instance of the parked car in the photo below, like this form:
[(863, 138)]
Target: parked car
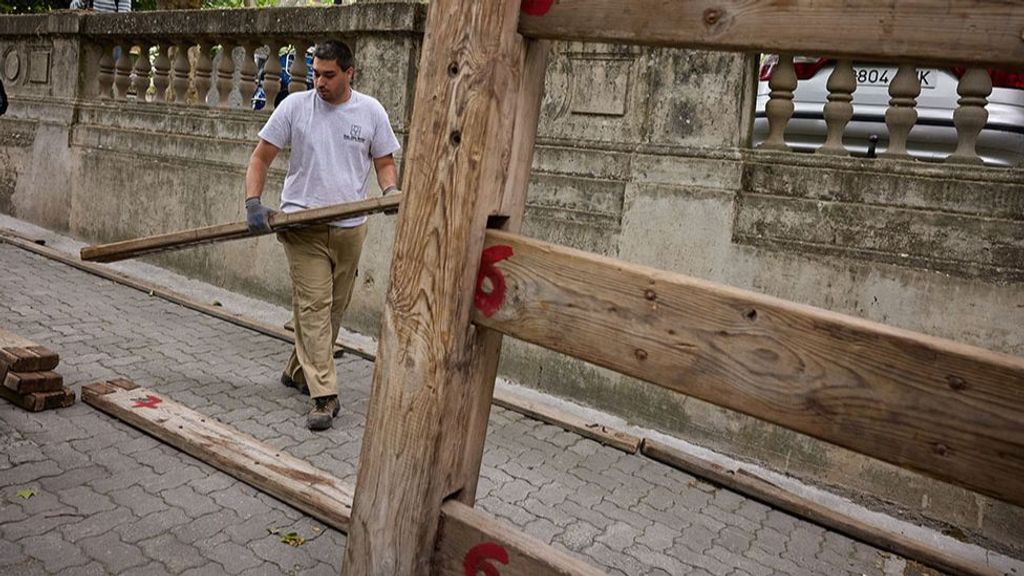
[(259, 98), (934, 135)]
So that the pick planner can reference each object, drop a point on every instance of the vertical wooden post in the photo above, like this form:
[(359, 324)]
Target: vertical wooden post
[(424, 400)]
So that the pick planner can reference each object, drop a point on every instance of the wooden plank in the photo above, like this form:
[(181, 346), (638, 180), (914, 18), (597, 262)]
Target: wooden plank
[(472, 542), (28, 382), (948, 410), (38, 401), (12, 238), (608, 436), (279, 221), (832, 519), (19, 354), (424, 396), (950, 32), (292, 481), (486, 344)]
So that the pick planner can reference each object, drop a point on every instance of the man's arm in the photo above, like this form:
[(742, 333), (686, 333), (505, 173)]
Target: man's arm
[(255, 178), (387, 173), (259, 163)]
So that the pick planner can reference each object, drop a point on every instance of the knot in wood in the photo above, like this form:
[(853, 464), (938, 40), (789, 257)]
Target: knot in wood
[(712, 16), (956, 383), (650, 294), (941, 449), (640, 354)]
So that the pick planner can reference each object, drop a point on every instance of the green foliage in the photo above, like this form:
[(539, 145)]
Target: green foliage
[(31, 6)]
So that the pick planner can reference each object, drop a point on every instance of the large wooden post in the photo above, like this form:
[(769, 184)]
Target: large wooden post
[(429, 385)]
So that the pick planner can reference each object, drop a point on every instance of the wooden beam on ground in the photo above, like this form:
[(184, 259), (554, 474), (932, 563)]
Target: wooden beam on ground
[(292, 481), (950, 32), (29, 382), (608, 436), (19, 354), (158, 291), (776, 497), (948, 410), (235, 230), (426, 388), (38, 401), (472, 542)]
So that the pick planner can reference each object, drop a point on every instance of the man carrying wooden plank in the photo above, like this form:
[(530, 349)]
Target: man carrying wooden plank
[(335, 134)]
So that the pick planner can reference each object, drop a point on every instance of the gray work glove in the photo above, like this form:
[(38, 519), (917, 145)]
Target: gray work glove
[(257, 216)]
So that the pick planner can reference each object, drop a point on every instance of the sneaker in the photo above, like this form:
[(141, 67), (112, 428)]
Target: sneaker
[(325, 408), (291, 383)]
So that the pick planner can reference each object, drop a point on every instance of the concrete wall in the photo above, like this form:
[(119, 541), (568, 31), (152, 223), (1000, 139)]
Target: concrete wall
[(642, 155)]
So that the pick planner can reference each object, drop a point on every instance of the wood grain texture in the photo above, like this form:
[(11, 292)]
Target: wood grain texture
[(38, 401), (983, 32), (19, 354), (423, 396), (948, 410), (470, 540), (125, 249), (292, 481), (28, 382), (776, 497)]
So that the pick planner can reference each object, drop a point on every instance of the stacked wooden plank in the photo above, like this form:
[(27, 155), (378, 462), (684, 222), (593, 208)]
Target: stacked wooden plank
[(27, 377)]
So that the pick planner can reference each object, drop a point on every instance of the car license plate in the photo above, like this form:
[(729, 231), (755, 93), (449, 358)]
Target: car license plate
[(872, 76)]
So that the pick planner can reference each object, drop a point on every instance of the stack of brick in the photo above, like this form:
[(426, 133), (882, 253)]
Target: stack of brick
[(27, 378)]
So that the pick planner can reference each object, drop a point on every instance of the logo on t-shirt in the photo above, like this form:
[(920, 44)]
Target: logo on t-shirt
[(355, 133)]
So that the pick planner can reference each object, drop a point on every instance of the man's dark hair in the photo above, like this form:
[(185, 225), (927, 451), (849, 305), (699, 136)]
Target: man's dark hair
[(334, 50)]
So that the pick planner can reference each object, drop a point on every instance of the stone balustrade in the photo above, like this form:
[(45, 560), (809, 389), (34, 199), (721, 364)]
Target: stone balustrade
[(973, 86)]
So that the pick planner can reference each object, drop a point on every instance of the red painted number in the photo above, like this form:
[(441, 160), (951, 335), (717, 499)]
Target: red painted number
[(536, 7), (149, 401), (489, 302), (479, 557)]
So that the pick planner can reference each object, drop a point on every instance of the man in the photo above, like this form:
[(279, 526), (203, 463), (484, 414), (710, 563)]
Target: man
[(335, 134)]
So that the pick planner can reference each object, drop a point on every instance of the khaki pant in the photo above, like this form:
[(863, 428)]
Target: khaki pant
[(322, 262)]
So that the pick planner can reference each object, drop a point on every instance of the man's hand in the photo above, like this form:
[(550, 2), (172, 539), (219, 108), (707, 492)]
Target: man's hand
[(257, 216)]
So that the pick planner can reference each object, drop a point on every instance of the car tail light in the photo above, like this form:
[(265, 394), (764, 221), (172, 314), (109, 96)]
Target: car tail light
[(1000, 78), (804, 67)]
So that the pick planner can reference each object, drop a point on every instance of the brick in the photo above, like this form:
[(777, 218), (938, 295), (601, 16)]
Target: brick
[(54, 552), (172, 554), (115, 555)]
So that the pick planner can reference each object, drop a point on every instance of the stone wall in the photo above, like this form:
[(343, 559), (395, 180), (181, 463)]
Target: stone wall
[(643, 155)]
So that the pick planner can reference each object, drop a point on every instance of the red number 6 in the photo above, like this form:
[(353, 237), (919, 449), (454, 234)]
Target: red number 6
[(478, 559)]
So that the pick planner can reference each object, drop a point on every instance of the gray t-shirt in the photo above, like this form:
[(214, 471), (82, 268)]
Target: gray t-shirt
[(332, 148)]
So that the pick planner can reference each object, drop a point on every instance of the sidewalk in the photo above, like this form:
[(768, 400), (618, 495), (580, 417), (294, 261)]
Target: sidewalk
[(111, 500)]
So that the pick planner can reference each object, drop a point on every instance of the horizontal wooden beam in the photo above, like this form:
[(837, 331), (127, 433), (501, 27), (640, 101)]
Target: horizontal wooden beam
[(473, 542), (235, 230), (317, 493), (952, 32), (760, 489), (293, 481), (948, 410), (587, 428)]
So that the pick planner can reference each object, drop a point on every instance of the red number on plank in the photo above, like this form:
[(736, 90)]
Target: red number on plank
[(489, 302), (478, 559), (149, 401), (536, 7)]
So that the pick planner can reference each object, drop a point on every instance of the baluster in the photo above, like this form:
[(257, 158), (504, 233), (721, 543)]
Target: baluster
[(179, 86), (779, 108), (298, 69), (204, 73), (970, 115), (272, 75), (162, 73), (901, 115), (247, 80), (105, 78), (122, 72), (140, 80), (839, 109), (225, 74)]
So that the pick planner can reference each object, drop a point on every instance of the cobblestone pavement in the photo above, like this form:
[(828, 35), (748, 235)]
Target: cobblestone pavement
[(111, 500)]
